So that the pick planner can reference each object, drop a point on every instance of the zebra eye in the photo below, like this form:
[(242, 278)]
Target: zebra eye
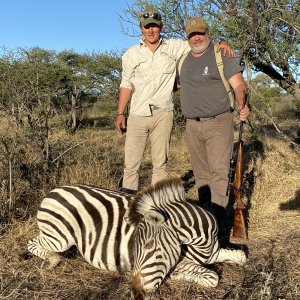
[(149, 244)]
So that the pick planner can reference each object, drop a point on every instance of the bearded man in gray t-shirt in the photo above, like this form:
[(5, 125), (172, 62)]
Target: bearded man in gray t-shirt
[(206, 106)]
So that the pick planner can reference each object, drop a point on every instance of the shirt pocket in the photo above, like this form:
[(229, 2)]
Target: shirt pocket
[(141, 68), (166, 63)]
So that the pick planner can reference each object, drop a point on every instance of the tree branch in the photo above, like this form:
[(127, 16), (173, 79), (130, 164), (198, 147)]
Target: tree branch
[(67, 150), (284, 136)]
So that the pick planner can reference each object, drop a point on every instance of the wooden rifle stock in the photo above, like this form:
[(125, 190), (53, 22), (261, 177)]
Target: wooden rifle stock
[(239, 232)]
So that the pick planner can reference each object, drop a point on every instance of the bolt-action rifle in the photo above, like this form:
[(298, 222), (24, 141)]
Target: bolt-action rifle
[(240, 232)]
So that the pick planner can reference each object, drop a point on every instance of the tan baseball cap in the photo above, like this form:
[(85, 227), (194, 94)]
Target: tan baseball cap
[(196, 24), (150, 17)]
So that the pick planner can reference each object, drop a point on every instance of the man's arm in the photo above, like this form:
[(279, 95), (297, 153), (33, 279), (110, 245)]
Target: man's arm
[(238, 84), (124, 96), (226, 49)]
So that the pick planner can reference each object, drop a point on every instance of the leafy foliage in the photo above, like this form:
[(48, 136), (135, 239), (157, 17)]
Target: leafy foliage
[(38, 88), (267, 32)]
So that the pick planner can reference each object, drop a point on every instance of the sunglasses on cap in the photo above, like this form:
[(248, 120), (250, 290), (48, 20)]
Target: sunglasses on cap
[(155, 16)]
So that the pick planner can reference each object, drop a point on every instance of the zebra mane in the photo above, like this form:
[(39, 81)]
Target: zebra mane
[(156, 198)]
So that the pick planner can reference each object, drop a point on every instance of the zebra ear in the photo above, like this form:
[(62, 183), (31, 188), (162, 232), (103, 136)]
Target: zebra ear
[(154, 217)]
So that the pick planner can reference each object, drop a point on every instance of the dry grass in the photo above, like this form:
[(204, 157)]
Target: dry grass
[(272, 271)]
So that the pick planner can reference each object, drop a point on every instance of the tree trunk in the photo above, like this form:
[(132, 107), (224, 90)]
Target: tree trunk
[(295, 91), (73, 113)]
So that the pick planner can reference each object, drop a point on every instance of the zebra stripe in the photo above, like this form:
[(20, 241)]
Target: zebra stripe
[(156, 251), (154, 233), (196, 231), (90, 218)]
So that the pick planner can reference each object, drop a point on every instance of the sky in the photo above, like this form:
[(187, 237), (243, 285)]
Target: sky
[(79, 25)]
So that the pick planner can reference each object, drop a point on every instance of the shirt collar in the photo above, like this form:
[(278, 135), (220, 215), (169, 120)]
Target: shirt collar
[(161, 41)]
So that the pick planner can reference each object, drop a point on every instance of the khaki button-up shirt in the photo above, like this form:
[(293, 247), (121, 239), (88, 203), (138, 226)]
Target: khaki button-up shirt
[(152, 74)]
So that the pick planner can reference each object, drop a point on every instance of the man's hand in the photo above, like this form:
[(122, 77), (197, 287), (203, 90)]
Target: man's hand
[(124, 96), (244, 113), (226, 49), (120, 123)]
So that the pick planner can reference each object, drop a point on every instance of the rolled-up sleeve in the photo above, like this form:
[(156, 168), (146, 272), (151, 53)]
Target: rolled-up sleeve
[(127, 71)]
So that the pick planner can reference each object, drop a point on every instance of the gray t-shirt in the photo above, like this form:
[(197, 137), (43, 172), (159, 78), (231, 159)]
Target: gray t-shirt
[(202, 92)]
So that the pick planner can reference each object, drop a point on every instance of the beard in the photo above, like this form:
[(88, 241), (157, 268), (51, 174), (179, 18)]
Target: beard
[(202, 48)]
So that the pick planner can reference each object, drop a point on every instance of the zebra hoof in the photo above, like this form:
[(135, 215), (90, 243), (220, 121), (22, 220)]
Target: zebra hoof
[(52, 260)]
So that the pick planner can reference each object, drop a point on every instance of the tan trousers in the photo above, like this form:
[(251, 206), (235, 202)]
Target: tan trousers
[(210, 143), (158, 129)]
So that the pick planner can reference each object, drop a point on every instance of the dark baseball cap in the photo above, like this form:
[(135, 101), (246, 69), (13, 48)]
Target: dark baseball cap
[(150, 17)]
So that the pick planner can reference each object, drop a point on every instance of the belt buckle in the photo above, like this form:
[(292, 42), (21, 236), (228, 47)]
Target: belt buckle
[(198, 119)]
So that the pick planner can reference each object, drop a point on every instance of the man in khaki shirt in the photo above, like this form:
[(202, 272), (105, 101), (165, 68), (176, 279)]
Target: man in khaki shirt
[(148, 75)]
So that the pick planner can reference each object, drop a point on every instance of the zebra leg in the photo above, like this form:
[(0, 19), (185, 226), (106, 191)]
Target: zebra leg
[(190, 271), (231, 256), (40, 247)]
